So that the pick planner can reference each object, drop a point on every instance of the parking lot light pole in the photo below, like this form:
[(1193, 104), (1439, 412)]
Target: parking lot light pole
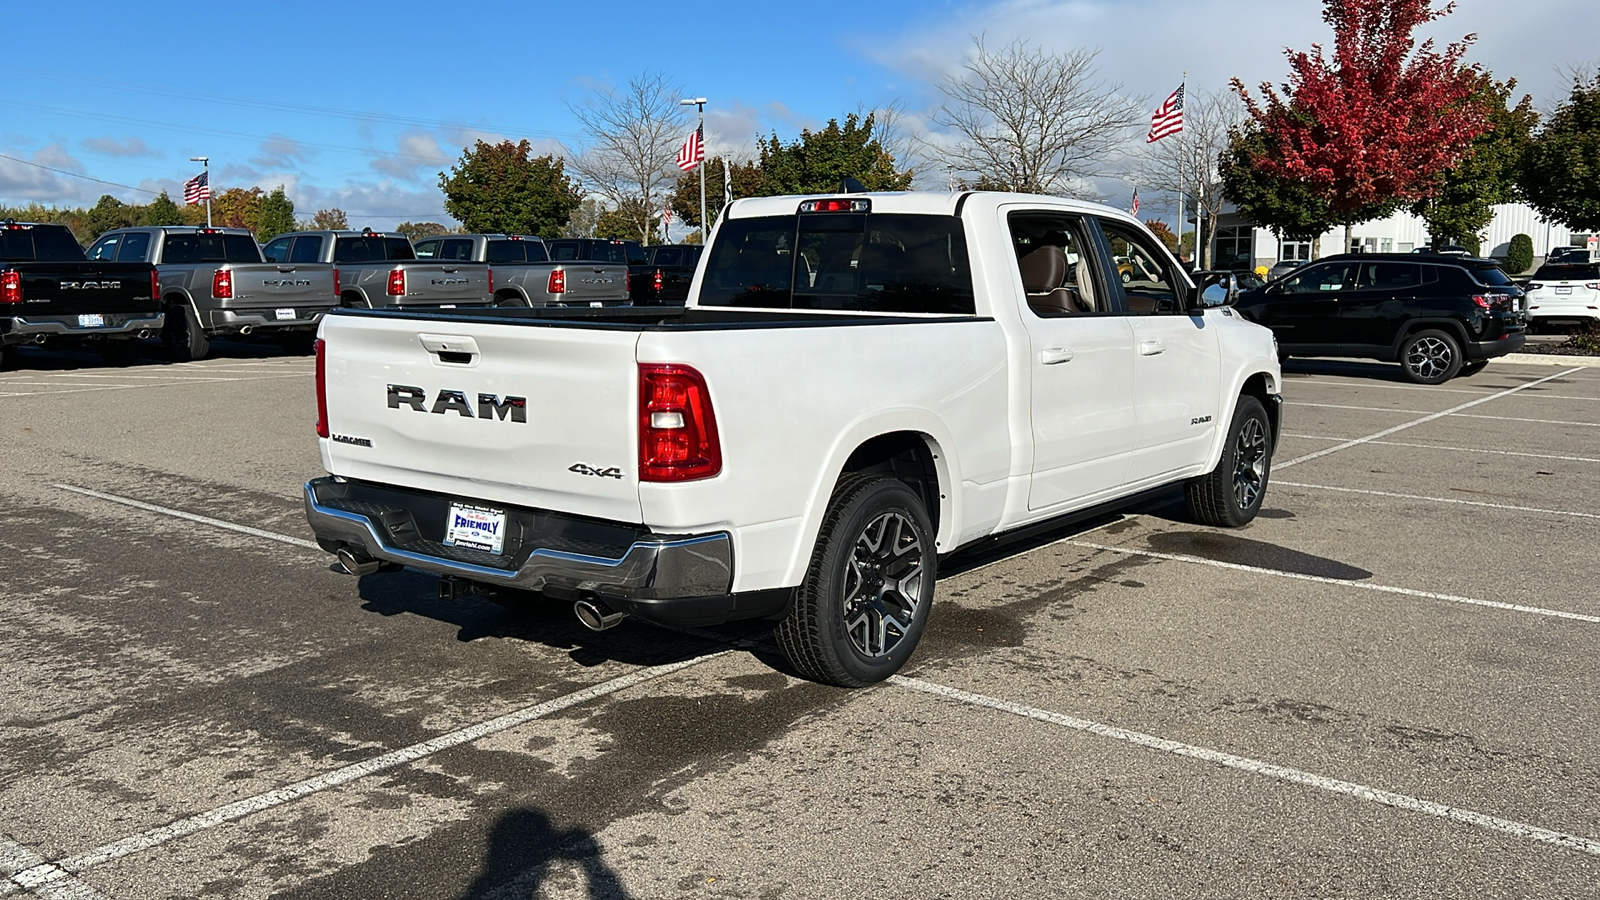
[(700, 104), (206, 161)]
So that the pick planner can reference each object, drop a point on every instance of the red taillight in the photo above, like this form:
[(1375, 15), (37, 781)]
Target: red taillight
[(222, 284), (1483, 301), (558, 282), (322, 387), (491, 282), (155, 285), (336, 289), (677, 429), (397, 282), (818, 206), (655, 282), (1592, 285), (10, 286)]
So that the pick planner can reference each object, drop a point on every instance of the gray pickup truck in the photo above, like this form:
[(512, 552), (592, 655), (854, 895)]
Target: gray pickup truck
[(523, 275), (377, 268), (214, 282)]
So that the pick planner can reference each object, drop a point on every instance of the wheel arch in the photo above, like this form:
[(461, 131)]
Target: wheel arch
[(1262, 385), (1449, 325), (172, 296), (356, 293), (910, 446)]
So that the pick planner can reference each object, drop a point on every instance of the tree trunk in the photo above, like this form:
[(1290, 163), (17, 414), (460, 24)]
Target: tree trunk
[(1348, 229)]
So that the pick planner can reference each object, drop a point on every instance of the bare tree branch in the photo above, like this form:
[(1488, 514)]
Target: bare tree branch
[(1032, 121), (635, 133), (1190, 158)]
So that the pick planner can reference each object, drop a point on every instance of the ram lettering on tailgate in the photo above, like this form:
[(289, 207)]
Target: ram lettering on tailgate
[(490, 406)]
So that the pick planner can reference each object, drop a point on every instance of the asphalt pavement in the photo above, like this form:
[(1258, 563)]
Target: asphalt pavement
[(1383, 687)]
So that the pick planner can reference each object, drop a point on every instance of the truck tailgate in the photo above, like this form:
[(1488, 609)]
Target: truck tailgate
[(431, 282), (281, 285), (434, 405), (594, 282), (66, 288)]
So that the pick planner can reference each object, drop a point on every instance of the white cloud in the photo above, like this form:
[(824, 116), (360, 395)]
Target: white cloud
[(418, 150), (280, 151), (110, 146), (22, 182)]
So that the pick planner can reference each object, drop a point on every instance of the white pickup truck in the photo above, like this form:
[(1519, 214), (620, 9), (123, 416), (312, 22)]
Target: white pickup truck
[(858, 385)]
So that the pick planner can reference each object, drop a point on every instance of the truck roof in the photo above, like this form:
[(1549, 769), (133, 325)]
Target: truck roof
[(939, 203)]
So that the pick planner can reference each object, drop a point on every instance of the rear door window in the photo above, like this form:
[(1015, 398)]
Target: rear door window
[(427, 249), (135, 247), (1389, 276), (106, 248), (277, 250), (307, 249), (842, 261)]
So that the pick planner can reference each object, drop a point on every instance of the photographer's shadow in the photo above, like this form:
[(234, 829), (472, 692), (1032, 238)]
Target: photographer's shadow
[(522, 846)]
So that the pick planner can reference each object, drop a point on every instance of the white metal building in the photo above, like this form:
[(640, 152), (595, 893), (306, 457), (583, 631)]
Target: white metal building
[(1239, 244)]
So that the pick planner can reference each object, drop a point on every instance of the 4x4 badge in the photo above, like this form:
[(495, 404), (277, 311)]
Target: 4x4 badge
[(608, 472)]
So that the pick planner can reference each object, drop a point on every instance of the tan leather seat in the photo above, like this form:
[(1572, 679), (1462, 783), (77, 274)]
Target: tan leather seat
[(1043, 270)]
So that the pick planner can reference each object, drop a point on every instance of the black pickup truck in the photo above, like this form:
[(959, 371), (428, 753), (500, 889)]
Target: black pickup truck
[(52, 294), (663, 278)]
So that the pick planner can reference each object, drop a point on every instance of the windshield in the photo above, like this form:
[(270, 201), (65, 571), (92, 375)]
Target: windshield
[(842, 261)]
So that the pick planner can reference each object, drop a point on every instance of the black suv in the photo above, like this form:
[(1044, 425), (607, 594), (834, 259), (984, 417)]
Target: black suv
[(1438, 316)]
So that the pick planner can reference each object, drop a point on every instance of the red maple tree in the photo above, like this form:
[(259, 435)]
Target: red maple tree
[(1371, 127)]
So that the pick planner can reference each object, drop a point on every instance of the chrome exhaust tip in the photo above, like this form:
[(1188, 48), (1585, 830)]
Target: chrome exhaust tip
[(357, 564), (144, 333), (39, 338), (596, 616), (246, 329)]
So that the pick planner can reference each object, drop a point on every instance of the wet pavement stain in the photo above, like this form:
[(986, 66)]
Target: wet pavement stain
[(1260, 554), (963, 630)]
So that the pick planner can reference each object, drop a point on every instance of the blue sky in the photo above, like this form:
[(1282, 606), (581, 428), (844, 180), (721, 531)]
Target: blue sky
[(361, 105)]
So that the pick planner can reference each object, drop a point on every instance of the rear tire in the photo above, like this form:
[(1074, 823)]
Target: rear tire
[(8, 357), (183, 335), (511, 300), (864, 604), (1430, 357), (1231, 495)]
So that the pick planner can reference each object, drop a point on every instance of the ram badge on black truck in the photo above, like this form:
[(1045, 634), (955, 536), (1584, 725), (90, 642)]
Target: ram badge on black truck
[(52, 294)]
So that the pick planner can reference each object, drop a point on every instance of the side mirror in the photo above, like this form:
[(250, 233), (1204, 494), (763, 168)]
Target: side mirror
[(1216, 289)]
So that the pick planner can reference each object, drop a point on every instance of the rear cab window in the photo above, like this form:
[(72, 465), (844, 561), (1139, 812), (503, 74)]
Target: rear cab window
[(40, 243), (1568, 272), (842, 260), (505, 251)]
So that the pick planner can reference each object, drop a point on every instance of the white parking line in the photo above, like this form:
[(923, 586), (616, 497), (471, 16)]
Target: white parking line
[(1259, 767), (191, 517), (133, 387), (1319, 437), (1425, 419), (1461, 415), (1378, 384), (25, 870), (1361, 585), (1534, 421), (46, 874), (1345, 490)]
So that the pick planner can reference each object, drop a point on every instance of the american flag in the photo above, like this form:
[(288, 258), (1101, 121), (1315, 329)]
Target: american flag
[(1168, 120), (196, 189), (1136, 201), (693, 151), (666, 216)]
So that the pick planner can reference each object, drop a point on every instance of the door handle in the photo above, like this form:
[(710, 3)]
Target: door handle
[(1151, 348), (1055, 355)]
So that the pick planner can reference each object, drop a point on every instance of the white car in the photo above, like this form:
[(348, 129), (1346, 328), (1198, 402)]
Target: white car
[(1564, 294), (1283, 267)]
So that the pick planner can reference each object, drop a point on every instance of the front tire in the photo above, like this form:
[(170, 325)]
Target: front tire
[(1231, 495), (1430, 357), (864, 604), (184, 336)]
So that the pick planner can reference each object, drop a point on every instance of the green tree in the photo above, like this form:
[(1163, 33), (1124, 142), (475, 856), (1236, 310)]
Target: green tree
[(623, 223), (416, 231), (1286, 207), (1464, 194), (330, 220), (819, 160), (1519, 256), (1163, 233), (107, 214), (274, 215), (1561, 170), (236, 208), (685, 199), (161, 211), (504, 188)]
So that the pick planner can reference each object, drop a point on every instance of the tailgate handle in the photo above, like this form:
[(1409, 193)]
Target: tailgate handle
[(286, 269), (450, 348), (451, 270)]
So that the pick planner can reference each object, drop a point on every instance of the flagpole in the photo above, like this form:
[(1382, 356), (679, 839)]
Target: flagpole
[(699, 103), (206, 161), (1184, 87)]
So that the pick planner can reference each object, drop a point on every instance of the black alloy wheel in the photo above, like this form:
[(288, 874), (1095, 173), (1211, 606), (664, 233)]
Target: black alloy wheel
[(1430, 357), (1230, 495)]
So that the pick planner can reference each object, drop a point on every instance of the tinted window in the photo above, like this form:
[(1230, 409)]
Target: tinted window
[(459, 249), (358, 249), (536, 251), (848, 261), (398, 248), (506, 252), (278, 250), (180, 249), (45, 243), (307, 249), (427, 249), (1389, 276), (238, 248), (1568, 273), (668, 256), (135, 247), (1493, 276), (1319, 279), (106, 247)]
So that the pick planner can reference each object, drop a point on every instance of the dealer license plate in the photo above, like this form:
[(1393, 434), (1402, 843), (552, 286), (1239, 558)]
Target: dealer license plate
[(476, 527), (282, 314), (91, 320), (1563, 290)]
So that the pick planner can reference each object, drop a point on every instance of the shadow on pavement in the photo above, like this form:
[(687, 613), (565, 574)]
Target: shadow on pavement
[(522, 846)]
